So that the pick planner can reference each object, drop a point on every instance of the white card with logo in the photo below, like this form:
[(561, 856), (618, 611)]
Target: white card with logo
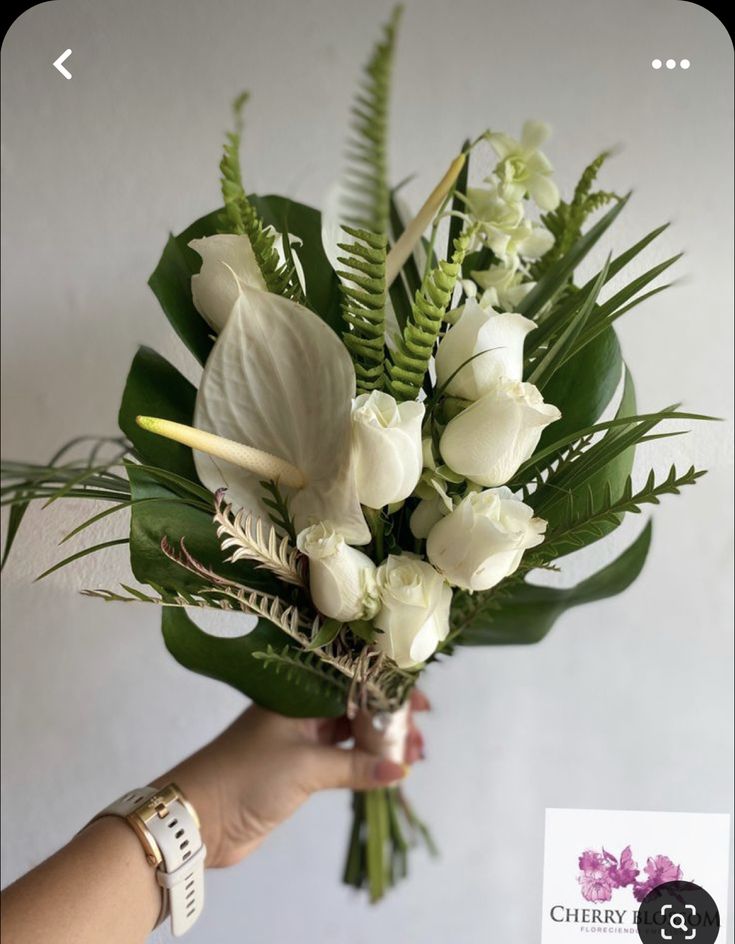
[(599, 866)]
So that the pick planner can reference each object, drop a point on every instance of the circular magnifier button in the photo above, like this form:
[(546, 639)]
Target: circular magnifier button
[(678, 912)]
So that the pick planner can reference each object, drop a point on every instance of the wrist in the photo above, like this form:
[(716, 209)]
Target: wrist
[(202, 791)]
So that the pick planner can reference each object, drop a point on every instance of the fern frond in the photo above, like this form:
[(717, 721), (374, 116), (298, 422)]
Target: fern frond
[(253, 539), (566, 221), (410, 361), (241, 217), (367, 153), (363, 305)]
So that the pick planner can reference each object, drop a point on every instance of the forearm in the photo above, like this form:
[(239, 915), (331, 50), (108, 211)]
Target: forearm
[(97, 888)]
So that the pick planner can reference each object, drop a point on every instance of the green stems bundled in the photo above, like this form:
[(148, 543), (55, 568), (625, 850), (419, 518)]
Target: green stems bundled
[(384, 830)]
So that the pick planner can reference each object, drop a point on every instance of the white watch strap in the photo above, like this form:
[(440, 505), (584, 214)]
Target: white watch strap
[(181, 873)]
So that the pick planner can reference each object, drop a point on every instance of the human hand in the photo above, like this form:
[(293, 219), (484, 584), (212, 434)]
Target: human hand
[(265, 765)]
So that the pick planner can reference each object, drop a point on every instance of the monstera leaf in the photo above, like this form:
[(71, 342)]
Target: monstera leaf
[(260, 664), (528, 612), (171, 279)]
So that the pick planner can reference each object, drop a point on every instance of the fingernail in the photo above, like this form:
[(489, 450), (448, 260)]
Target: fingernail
[(386, 771)]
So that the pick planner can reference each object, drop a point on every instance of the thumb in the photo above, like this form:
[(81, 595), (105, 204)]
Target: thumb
[(354, 769)]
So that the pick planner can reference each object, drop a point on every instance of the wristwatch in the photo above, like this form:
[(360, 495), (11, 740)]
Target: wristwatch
[(168, 828)]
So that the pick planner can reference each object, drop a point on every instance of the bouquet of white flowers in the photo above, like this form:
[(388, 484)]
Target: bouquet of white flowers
[(398, 419)]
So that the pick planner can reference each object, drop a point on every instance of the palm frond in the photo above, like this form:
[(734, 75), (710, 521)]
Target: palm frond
[(250, 538)]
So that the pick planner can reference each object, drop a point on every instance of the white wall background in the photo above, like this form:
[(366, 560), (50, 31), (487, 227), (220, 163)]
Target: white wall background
[(625, 705)]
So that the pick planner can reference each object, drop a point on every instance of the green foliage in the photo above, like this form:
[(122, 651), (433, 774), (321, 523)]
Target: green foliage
[(174, 517), (88, 477), (278, 509), (587, 517), (171, 280), (553, 357), (241, 217), (305, 223), (363, 306), (239, 662), (171, 284), (367, 152), (409, 363), (566, 221), (555, 279), (596, 370), (155, 388), (521, 613), (303, 669)]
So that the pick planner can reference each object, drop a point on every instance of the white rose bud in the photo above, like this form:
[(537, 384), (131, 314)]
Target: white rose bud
[(227, 262), (482, 541), (500, 335), (386, 439), (425, 515), (414, 613), (496, 434), (341, 578)]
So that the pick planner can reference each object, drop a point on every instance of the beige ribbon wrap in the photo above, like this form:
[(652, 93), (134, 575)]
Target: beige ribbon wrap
[(383, 733)]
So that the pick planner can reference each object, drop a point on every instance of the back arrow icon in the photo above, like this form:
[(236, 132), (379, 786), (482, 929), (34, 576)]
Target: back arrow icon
[(59, 64)]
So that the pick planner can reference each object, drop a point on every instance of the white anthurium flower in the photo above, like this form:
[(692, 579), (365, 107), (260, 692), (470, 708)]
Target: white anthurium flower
[(414, 612), (483, 540), (281, 382), (341, 578), (489, 440), (494, 341), (523, 168), (503, 286), (228, 262), (387, 448)]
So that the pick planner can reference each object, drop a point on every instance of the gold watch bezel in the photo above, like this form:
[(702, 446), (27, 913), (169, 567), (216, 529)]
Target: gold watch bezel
[(157, 806)]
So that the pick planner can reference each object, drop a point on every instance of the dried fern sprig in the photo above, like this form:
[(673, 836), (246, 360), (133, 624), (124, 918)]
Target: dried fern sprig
[(256, 540)]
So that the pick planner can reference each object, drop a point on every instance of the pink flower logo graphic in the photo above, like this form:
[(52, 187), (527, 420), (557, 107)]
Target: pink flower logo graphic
[(602, 873), (659, 869)]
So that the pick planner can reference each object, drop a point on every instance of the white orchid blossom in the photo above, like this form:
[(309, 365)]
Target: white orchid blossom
[(503, 226), (523, 168), (503, 286)]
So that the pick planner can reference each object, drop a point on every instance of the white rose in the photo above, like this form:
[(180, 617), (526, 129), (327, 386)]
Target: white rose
[(482, 541), (386, 438), (489, 440), (414, 613), (500, 335), (227, 262), (425, 515), (341, 578)]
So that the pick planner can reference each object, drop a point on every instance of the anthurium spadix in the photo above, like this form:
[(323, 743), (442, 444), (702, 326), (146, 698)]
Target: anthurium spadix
[(280, 382)]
